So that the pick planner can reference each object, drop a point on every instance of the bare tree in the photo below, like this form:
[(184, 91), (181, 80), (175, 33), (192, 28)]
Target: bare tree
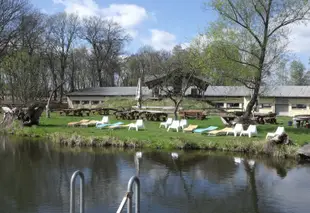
[(63, 32), (257, 29), (107, 40), (11, 12), (177, 74)]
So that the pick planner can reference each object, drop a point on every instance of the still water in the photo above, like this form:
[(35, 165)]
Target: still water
[(35, 178)]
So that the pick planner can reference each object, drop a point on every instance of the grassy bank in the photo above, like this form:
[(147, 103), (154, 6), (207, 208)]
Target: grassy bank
[(153, 137)]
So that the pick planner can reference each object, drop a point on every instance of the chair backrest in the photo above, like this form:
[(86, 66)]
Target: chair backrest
[(252, 128), (183, 122), (169, 121), (139, 122), (105, 119), (238, 127), (280, 130), (175, 123)]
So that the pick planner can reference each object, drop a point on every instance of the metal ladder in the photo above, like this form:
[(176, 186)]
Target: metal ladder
[(127, 198)]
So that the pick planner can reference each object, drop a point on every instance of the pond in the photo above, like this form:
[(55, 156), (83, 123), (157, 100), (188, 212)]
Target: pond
[(35, 178)]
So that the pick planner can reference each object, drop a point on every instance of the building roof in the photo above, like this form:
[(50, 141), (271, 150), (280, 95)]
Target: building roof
[(228, 91), (110, 91), (287, 91), (215, 91)]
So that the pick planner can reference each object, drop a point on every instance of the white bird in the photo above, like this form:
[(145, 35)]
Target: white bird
[(238, 160), (174, 155), (138, 154)]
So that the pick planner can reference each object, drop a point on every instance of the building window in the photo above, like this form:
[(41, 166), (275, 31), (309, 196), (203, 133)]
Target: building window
[(299, 106), (85, 102), (219, 105), (262, 106), (95, 102), (76, 102), (233, 105)]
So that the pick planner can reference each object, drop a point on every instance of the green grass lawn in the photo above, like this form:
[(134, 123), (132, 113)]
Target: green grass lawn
[(155, 137)]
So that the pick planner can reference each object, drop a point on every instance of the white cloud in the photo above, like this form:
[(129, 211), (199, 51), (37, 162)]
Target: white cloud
[(127, 15), (299, 38), (161, 40)]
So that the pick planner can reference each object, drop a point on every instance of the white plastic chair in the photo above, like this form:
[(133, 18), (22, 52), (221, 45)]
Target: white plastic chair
[(105, 120), (167, 123), (175, 125), (279, 131), (183, 123), (252, 130), (138, 125), (237, 129)]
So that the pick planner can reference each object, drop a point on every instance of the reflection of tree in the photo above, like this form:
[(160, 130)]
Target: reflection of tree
[(250, 171)]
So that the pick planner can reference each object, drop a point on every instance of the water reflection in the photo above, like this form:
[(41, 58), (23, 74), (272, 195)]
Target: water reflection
[(35, 177)]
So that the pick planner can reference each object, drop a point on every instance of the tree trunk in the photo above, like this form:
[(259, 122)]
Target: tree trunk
[(62, 77), (252, 102), (101, 83), (47, 107), (176, 108)]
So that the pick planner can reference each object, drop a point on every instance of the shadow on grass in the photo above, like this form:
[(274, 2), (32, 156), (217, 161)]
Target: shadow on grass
[(52, 125)]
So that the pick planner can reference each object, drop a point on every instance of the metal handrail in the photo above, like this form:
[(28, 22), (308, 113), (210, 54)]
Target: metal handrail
[(72, 191), (128, 196)]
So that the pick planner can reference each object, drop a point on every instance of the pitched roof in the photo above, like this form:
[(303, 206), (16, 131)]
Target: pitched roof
[(227, 91), (287, 91), (215, 91), (109, 91)]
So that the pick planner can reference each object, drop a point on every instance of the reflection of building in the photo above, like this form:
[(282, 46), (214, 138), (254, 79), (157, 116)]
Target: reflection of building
[(283, 100)]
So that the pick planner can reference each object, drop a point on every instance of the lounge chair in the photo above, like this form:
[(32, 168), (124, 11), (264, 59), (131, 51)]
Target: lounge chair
[(89, 123), (105, 120), (220, 131), (252, 130), (77, 123), (280, 130), (237, 129), (183, 123), (190, 128), (203, 130), (101, 126), (138, 125), (175, 125), (167, 123), (121, 126)]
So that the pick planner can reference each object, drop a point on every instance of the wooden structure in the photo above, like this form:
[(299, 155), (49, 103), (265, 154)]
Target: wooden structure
[(302, 121), (194, 114), (175, 79), (87, 112), (262, 118), (145, 115)]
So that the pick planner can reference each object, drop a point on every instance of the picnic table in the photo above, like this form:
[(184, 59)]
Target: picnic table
[(150, 115), (263, 118), (75, 112), (302, 121), (196, 114)]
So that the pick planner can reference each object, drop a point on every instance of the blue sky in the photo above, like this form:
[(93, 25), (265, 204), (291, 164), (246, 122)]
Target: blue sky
[(161, 23)]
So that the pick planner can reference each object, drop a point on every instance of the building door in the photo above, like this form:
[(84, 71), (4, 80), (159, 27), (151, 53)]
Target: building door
[(282, 109)]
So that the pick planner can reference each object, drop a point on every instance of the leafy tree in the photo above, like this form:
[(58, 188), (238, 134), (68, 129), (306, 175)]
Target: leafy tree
[(257, 30), (298, 75)]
